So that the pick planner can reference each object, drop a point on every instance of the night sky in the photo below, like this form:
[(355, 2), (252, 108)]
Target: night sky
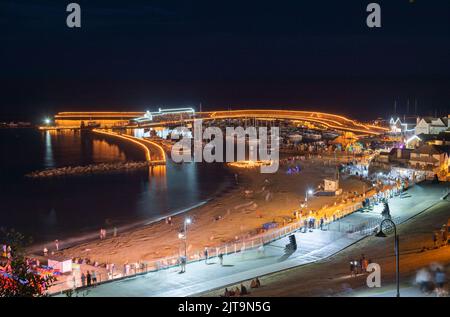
[(305, 55)]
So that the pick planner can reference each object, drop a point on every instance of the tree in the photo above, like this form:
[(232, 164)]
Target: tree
[(17, 277)]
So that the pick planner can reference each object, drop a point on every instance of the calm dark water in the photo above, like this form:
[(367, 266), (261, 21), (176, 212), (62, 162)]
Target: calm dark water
[(72, 206)]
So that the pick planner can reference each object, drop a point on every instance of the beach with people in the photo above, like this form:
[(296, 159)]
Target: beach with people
[(242, 212)]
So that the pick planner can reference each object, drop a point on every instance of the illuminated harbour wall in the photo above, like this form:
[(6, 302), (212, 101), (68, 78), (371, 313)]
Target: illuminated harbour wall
[(176, 116), (154, 153), (104, 119)]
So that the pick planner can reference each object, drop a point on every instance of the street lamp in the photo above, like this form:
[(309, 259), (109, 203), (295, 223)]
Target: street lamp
[(308, 192), (47, 121), (381, 234), (187, 222)]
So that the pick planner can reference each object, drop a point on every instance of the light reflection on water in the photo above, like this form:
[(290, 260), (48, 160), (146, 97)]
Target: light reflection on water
[(59, 208), (48, 159)]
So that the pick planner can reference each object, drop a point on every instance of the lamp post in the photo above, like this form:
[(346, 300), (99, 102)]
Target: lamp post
[(308, 192), (187, 221), (381, 234)]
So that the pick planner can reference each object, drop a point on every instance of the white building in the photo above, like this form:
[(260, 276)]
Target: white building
[(431, 125), (431, 157)]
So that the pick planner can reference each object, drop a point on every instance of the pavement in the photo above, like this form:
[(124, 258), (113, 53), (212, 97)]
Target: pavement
[(405, 291), (312, 247)]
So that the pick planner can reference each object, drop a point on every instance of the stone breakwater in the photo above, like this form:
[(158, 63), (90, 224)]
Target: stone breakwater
[(91, 169)]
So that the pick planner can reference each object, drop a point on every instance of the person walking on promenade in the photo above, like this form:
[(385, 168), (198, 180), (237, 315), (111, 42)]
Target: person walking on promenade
[(57, 245), (88, 278), (321, 223), (115, 232), (305, 225), (221, 258), (205, 253), (94, 277), (83, 280), (183, 264)]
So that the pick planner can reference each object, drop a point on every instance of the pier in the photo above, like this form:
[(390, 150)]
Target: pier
[(154, 152)]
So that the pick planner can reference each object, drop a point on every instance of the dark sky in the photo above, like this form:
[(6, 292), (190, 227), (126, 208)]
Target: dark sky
[(135, 55)]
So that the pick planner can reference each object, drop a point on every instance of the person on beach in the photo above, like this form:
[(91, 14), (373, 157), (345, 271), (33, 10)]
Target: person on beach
[(205, 253), (115, 232), (57, 245)]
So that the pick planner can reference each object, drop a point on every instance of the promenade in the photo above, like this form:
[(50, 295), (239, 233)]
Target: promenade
[(312, 247)]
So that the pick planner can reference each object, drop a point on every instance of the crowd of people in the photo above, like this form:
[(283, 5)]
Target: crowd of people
[(359, 266), (88, 279), (242, 290)]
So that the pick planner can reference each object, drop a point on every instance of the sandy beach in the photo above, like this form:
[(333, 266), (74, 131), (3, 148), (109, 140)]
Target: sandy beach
[(256, 199)]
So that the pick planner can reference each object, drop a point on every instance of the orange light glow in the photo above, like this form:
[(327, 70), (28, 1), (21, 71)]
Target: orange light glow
[(146, 149)]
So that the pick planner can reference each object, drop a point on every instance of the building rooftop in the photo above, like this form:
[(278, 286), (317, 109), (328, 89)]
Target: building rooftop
[(431, 149)]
